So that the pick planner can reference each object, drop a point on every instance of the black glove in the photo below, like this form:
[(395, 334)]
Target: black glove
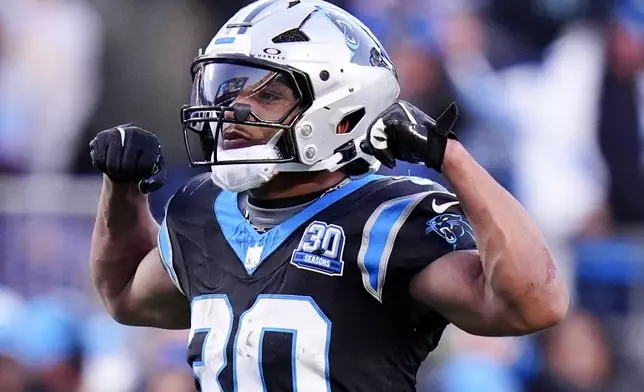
[(127, 153), (405, 133)]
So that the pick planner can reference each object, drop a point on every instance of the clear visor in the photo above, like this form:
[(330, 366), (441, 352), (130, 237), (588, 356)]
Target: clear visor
[(235, 106)]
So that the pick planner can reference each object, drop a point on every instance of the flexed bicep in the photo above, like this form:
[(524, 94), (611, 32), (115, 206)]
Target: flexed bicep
[(456, 287), (152, 298)]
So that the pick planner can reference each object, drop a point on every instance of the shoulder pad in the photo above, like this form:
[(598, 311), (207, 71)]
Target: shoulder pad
[(195, 184), (195, 197)]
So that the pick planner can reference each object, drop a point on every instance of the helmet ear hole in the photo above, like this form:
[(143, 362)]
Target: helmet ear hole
[(349, 121), (343, 127)]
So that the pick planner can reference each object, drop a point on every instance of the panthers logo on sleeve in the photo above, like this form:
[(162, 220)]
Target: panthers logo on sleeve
[(450, 227)]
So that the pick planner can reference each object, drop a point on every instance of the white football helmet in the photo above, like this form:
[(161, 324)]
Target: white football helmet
[(275, 84)]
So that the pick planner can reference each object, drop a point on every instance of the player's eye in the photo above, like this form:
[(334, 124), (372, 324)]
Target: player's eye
[(268, 96)]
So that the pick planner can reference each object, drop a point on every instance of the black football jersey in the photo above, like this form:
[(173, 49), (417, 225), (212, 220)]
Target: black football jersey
[(319, 303)]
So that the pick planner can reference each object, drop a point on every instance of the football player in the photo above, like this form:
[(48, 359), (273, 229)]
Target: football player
[(293, 264)]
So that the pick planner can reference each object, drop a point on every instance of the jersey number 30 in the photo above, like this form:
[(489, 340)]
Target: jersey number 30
[(212, 320)]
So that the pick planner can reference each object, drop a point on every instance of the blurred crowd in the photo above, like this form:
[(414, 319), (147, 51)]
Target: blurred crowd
[(551, 94)]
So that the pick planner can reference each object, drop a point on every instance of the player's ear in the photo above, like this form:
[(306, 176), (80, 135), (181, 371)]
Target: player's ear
[(343, 127)]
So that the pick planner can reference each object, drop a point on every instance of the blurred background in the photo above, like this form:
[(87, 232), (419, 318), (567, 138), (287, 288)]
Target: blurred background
[(552, 100)]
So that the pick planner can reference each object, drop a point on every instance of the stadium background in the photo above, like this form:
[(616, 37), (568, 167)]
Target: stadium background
[(552, 101)]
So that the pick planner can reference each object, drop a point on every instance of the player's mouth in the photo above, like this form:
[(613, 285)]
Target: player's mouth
[(238, 138)]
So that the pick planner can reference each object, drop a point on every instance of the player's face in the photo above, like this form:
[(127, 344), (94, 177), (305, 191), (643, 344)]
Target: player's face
[(269, 99), (251, 97)]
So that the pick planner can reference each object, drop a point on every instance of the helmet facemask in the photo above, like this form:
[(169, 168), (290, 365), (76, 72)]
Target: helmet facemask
[(235, 106), (240, 116)]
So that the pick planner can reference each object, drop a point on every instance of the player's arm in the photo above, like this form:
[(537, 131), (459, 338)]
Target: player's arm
[(510, 285), (125, 262)]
